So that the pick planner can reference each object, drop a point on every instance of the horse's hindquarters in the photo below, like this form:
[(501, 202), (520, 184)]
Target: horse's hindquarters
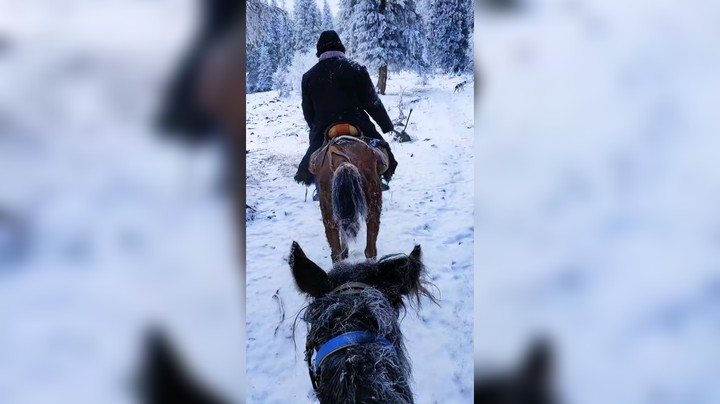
[(315, 161), (348, 172), (382, 160)]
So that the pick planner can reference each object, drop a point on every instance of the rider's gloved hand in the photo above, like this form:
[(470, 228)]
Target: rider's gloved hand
[(304, 177)]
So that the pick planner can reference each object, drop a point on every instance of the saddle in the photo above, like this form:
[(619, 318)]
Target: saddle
[(342, 129), (340, 133)]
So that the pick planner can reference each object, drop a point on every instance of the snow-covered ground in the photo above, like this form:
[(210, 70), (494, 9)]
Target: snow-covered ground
[(430, 203), (597, 194), (118, 228)]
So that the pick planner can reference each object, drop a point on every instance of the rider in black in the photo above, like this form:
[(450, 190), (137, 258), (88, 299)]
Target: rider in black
[(337, 90)]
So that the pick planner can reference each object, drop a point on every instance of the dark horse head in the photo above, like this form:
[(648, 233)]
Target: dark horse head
[(165, 378), (355, 351), (530, 383)]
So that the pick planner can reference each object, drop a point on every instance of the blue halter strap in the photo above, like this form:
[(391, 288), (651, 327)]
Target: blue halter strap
[(343, 341)]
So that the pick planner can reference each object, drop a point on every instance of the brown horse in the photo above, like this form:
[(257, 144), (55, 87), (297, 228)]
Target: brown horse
[(348, 173)]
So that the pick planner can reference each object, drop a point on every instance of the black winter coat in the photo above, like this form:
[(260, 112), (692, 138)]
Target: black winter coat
[(340, 90)]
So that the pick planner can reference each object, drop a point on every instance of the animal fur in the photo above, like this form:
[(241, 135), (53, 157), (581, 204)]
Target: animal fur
[(348, 200), (372, 372), (347, 172), (531, 383), (165, 379)]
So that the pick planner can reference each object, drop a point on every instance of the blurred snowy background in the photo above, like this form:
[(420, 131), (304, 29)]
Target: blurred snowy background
[(597, 191), (105, 226)]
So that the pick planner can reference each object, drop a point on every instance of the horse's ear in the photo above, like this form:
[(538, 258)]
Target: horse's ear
[(404, 274), (537, 368), (416, 254), (310, 278)]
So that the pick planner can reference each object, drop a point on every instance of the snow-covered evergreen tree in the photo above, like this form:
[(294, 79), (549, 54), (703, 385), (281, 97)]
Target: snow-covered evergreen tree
[(273, 52), (265, 70), (450, 34), (327, 17), (383, 33), (414, 24), (286, 49), (343, 23), (252, 67), (317, 18), (308, 25), (469, 4), (286, 43), (272, 46), (288, 80)]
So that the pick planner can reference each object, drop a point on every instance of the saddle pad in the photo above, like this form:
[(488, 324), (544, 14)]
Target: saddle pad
[(342, 129), (381, 156)]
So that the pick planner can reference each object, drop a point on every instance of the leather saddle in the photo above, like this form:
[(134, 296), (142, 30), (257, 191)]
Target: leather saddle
[(342, 129), (339, 133)]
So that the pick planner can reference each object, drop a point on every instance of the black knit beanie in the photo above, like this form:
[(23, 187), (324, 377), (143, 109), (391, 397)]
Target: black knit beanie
[(329, 41)]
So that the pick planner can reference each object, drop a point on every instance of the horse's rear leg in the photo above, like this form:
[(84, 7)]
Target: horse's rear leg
[(331, 229), (374, 199), (339, 252)]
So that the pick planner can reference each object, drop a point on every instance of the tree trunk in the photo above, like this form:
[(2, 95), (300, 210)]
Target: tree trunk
[(382, 79)]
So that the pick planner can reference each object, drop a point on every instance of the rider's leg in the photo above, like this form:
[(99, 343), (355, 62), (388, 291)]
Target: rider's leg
[(316, 193), (303, 175), (392, 163)]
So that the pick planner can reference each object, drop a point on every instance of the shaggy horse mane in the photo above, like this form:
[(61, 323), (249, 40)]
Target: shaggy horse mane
[(371, 372)]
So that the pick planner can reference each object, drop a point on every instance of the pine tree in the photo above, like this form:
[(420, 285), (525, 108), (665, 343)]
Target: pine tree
[(252, 68), (317, 22), (344, 24), (287, 43), (308, 22), (384, 35), (265, 70), (286, 51), (327, 18), (471, 34), (448, 27), (414, 29), (272, 46)]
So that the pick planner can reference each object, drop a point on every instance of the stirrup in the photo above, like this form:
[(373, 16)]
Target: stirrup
[(384, 186), (316, 196)]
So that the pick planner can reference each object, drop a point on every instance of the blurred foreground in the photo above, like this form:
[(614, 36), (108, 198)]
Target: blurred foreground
[(597, 189), (106, 227)]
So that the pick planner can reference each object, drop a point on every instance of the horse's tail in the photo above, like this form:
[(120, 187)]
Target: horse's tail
[(348, 199)]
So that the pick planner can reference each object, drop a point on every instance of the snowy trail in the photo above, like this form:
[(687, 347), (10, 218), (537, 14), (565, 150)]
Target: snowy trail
[(430, 203)]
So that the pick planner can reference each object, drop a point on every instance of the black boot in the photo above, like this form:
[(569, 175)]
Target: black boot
[(303, 176), (392, 166)]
